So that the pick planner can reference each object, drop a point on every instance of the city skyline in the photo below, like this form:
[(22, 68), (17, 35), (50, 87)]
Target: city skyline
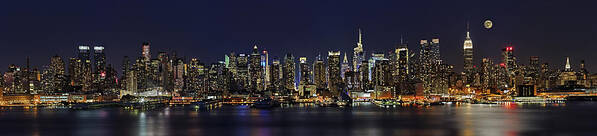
[(321, 32)]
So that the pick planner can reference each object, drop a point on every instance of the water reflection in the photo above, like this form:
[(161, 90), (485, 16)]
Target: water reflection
[(307, 119)]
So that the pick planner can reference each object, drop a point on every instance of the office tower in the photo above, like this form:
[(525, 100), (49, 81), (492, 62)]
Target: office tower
[(164, 68), (534, 65), (374, 58), (145, 51), (140, 69), (345, 67), (53, 78), (486, 72), (426, 65), (193, 78), (126, 67), (401, 63), (381, 72), (334, 78), (584, 75), (364, 76), (276, 75), (468, 54), (509, 62), (217, 78), (435, 53), (100, 58), (305, 71), (255, 71), (288, 70), (242, 70), (266, 67), (508, 59), (358, 53), (131, 81), (100, 68), (319, 73), (85, 68), (232, 63), (178, 71)]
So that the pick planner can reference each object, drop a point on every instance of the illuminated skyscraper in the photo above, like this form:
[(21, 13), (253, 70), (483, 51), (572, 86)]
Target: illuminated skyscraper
[(266, 67), (84, 68), (509, 63), (145, 53), (255, 71), (242, 70), (509, 59), (402, 62), (319, 74), (53, 79), (375, 57), (358, 53), (275, 75), (345, 67), (100, 58), (305, 71), (100, 67), (334, 78), (468, 54), (288, 73)]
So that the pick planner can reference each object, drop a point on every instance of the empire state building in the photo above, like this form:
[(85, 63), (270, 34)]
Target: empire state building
[(468, 53)]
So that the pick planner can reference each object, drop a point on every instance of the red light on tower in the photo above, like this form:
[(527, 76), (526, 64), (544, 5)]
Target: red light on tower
[(509, 48), (502, 64)]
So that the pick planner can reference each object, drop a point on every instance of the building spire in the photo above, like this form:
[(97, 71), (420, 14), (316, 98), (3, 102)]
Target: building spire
[(345, 58), (467, 30), (567, 64), (360, 38)]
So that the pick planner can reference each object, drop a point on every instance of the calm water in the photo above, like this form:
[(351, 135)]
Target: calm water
[(579, 118)]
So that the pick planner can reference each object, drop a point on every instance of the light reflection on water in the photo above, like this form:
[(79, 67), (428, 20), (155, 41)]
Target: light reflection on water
[(366, 119)]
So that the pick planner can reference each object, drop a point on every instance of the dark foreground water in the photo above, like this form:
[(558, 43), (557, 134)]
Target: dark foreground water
[(579, 118)]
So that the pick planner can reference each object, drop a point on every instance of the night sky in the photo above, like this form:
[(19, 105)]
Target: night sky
[(551, 29)]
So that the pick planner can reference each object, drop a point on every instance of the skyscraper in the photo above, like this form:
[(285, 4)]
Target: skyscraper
[(145, 53), (100, 67), (334, 78), (345, 66), (305, 71), (255, 71), (358, 53), (468, 54), (319, 74), (509, 59), (242, 70), (54, 78), (509, 63), (275, 75), (266, 67), (288, 73), (84, 67), (402, 62), (100, 58)]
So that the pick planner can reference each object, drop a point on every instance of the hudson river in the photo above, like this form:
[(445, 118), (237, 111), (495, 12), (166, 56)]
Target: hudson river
[(572, 118)]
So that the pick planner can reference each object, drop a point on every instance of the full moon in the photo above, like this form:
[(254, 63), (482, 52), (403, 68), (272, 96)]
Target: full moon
[(488, 24)]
